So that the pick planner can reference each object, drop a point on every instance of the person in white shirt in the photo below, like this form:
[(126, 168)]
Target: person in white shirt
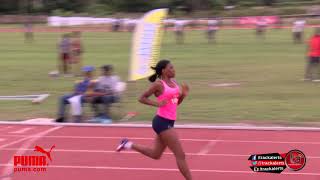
[(179, 31), (28, 32), (297, 30), (212, 29), (261, 26), (105, 92), (131, 24)]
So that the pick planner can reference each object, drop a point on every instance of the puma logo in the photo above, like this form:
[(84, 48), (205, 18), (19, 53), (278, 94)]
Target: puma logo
[(41, 150)]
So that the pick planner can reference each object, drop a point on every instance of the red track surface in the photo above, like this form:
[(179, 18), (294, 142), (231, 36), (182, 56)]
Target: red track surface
[(84, 153)]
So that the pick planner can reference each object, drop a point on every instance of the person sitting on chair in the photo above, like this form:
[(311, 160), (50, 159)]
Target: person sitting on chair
[(105, 93), (80, 89)]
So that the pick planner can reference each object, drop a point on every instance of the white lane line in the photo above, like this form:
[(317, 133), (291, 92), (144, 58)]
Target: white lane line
[(182, 126), (163, 169), (183, 139), (27, 142), (206, 149), (21, 131), (136, 153), (13, 142)]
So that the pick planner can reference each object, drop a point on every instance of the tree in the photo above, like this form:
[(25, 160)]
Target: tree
[(268, 2), (133, 5), (9, 6), (68, 5)]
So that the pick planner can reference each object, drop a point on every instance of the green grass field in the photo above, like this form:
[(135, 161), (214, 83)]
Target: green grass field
[(269, 72)]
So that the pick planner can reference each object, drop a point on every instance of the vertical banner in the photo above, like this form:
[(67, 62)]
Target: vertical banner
[(146, 44)]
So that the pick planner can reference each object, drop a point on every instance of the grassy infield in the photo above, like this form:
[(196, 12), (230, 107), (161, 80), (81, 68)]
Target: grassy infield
[(269, 72)]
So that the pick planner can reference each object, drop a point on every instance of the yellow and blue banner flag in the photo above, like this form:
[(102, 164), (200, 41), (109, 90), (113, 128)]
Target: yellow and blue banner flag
[(146, 44)]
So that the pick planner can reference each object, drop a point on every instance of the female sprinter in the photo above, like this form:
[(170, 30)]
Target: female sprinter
[(168, 98)]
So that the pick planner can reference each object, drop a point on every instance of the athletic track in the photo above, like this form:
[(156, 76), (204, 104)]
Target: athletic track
[(87, 152)]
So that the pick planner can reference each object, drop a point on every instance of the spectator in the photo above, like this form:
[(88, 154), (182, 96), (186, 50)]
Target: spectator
[(105, 93), (64, 54), (131, 24), (179, 30), (279, 23), (212, 29), (261, 26), (77, 50), (28, 32), (312, 67), (116, 25), (80, 89), (297, 30)]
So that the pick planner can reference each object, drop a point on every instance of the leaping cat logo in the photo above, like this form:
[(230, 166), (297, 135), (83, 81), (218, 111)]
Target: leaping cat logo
[(41, 150)]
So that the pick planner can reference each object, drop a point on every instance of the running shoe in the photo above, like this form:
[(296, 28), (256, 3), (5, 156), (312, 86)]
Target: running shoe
[(122, 145)]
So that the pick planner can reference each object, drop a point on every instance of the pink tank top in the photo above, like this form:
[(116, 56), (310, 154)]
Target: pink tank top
[(169, 111)]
